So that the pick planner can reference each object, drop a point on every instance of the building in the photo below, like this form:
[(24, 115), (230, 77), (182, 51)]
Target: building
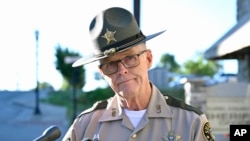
[(235, 44), (228, 103), (159, 76)]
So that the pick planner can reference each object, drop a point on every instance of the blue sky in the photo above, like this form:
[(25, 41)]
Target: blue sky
[(192, 26)]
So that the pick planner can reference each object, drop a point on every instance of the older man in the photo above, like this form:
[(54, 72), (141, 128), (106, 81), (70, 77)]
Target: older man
[(138, 111)]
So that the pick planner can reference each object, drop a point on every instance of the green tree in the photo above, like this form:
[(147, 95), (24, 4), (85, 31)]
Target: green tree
[(200, 66), (71, 75), (45, 85), (168, 61)]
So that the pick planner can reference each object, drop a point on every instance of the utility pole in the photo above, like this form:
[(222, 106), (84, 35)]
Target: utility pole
[(70, 60), (137, 8), (37, 109)]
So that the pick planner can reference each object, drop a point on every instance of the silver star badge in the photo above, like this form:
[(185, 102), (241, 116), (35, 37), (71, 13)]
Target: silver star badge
[(109, 36)]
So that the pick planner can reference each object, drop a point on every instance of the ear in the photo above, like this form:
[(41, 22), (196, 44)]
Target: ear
[(149, 58), (100, 71)]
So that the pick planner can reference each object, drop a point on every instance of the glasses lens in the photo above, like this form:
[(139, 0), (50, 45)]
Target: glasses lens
[(130, 61), (110, 67)]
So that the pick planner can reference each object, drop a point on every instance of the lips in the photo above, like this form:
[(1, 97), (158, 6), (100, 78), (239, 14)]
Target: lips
[(124, 81)]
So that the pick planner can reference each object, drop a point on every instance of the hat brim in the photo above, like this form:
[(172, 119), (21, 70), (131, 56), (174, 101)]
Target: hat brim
[(93, 58)]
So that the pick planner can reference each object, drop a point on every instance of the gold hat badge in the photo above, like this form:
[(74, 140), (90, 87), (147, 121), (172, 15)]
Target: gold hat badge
[(109, 36)]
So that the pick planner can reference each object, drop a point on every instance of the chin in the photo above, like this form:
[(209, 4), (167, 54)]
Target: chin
[(127, 93)]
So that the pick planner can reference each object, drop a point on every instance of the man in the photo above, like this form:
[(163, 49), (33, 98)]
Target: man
[(138, 111)]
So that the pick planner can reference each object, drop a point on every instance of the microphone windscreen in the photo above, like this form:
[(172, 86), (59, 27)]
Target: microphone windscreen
[(51, 133), (86, 139)]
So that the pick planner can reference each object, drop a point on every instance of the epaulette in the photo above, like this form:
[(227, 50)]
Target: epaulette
[(179, 103), (96, 106)]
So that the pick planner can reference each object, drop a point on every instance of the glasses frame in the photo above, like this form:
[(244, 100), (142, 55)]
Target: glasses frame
[(120, 60)]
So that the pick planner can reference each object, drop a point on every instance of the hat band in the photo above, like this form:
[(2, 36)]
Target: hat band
[(126, 42)]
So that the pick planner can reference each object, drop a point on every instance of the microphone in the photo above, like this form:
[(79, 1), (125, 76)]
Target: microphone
[(50, 134), (87, 139)]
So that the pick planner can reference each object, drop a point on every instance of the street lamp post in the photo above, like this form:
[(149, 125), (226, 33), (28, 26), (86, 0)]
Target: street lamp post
[(37, 109)]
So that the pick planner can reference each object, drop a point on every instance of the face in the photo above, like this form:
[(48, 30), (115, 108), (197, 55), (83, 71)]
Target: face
[(128, 81)]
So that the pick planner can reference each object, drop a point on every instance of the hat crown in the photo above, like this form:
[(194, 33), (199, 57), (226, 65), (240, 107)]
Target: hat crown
[(113, 30), (111, 27)]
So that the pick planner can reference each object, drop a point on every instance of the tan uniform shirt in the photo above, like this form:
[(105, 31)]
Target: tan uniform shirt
[(166, 119)]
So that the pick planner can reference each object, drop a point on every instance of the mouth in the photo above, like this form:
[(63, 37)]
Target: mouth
[(124, 81)]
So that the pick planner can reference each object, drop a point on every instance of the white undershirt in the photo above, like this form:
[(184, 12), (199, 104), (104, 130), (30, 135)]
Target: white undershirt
[(135, 116)]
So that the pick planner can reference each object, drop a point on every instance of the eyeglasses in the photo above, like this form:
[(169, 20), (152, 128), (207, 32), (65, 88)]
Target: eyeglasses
[(128, 62)]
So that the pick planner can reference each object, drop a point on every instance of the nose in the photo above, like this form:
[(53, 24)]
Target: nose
[(121, 68)]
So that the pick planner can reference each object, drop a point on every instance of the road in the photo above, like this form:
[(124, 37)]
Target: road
[(18, 121)]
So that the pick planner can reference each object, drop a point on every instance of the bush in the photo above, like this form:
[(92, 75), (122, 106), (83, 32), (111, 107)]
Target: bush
[(60, 98), (89, 98), (178, 93)]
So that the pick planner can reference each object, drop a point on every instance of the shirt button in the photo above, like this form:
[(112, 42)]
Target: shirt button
[(134, 136)]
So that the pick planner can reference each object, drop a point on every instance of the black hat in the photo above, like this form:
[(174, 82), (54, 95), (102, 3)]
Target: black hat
[(112, 31)]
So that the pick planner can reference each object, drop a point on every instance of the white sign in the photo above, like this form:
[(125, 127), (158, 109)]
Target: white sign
[(227, 104), (223, 111)]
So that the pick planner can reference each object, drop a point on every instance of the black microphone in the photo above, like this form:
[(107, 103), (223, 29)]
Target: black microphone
[(50, 134)]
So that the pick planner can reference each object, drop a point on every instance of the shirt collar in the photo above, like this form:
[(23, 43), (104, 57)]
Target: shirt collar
[(157, 107), (113, 110)]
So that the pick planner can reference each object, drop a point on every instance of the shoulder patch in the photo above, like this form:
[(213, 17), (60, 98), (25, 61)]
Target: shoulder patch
[(207, 132), (178, 103), (98, 105)]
